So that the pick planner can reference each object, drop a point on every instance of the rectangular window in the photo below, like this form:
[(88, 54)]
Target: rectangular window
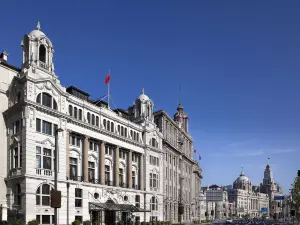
[(107, 174), (137, 201), (121, 177), (133, 179), (47, 156), (73, 168), (78, 197), (17, 126), (47, 128), (38, 125), (38, 157), (16, 157), (91, 171)]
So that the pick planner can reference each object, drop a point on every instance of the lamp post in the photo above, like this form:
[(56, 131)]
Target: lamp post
[(55, 169)]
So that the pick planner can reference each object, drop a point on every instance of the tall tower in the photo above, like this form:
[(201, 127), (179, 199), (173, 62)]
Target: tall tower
[(182, 118), (268, 176)]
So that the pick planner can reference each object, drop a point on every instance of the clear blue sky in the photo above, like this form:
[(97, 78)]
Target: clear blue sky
[(237, 63)]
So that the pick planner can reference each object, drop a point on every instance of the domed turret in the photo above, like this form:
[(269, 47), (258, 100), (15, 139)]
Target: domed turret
[(37, 51), (242, 182), (182, 118), (143, 107)]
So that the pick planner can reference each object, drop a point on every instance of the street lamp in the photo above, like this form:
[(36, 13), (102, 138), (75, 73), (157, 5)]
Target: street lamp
[(55, 169)]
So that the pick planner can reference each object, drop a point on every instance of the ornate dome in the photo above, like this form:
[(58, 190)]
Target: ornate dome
[(143, 97), (242, 177), (37, 33), (242, 182)]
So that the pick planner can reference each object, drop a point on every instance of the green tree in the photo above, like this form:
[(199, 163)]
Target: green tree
[(295, 198)]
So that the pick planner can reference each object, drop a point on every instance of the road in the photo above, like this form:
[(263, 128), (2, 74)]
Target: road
[(248, 222)]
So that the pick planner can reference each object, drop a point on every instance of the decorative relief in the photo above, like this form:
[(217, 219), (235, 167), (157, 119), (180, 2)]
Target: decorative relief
[(45, 210), (63, 101), (30, 89)]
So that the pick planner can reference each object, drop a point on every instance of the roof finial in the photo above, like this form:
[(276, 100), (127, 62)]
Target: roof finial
[(143, 91), (242, 173), (268, 160), (38, 26)]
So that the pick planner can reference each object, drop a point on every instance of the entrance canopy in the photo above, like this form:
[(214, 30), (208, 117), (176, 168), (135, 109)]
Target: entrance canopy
[(109, 206)]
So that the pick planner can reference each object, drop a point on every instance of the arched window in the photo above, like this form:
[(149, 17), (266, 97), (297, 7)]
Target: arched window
[(122, 131), (108, 125), (54, 104), (134, 136), (137, 136), (47, 100), (131, 134), (89, 117), (43, 195), (93, 119), (154, 204), (112, 127), (119, 129), (38, 98), (42, 53), (80, 114), (97, 121), (75, 112), (125, 132), (70, 110), (104, 123)]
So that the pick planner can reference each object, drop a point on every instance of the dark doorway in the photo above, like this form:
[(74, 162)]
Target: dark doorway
[(110, 217)]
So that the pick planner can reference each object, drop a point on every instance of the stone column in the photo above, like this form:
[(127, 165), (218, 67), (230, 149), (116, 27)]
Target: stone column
[(86, 159), (129, 169), (117, 166), (67, 154), (141, 172), (102, 162)]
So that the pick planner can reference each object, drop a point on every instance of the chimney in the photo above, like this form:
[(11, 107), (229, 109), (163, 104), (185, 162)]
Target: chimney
[(3, 56)]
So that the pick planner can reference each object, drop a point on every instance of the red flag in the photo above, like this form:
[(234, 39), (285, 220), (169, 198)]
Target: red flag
[(178, 117), (107, 78), (195, 150)]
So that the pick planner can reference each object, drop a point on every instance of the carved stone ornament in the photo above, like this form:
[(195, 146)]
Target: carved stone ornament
[(30, 89), (45, 210)]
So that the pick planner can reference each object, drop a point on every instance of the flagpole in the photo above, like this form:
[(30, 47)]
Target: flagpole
[(108, 94)]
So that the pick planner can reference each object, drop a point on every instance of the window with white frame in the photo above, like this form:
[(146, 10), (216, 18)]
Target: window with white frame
[(74, 140), (73, 168), (45, 127), (121, 177), (107, 174), (93, 145), (108, 150), (135, 158), (122, 154), (17, 157), (43, 195), (78, 197), (44, 158), (91, 171), (137, 201), (45, 219), (17, 195), (154, 160), (153, 180), (133, 178), (154, 204)]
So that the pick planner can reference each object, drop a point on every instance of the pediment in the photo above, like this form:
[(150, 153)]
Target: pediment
[(49, 85), (47, 143)]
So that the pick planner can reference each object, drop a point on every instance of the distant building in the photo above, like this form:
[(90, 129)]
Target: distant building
[(272, 189), (247, 200)]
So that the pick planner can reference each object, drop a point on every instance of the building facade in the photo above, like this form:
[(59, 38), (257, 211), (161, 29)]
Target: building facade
[(248, 202), (180, 169), (136, 162)]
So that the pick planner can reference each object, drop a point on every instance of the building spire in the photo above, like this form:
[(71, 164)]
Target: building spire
[(38, 26), (143, 91), (268, 161)]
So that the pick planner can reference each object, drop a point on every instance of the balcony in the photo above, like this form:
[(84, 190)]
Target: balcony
[(110, 183), (76, 178), (44, 172), (15, 171), (123, 185), (43, 65), (136, 187), (94, 181)]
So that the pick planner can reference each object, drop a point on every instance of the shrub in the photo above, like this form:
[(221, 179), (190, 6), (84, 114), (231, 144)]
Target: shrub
[(87, 222), (33, 222), (76, 222)]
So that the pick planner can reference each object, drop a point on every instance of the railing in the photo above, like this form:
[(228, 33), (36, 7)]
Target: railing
[(43, 65), (76, 178), (110, 183), (44, 172), (94, 181), (136, 187), (123, 185)]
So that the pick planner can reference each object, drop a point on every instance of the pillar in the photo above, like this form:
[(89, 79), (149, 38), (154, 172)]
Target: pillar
[(117, 166), (102, 162), (141, 172), (129, 169), (67, 154), (86, 159)]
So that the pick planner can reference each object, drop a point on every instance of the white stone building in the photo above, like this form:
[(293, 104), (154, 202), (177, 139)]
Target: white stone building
[(104, 156), (182, 174), (247, 202)]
